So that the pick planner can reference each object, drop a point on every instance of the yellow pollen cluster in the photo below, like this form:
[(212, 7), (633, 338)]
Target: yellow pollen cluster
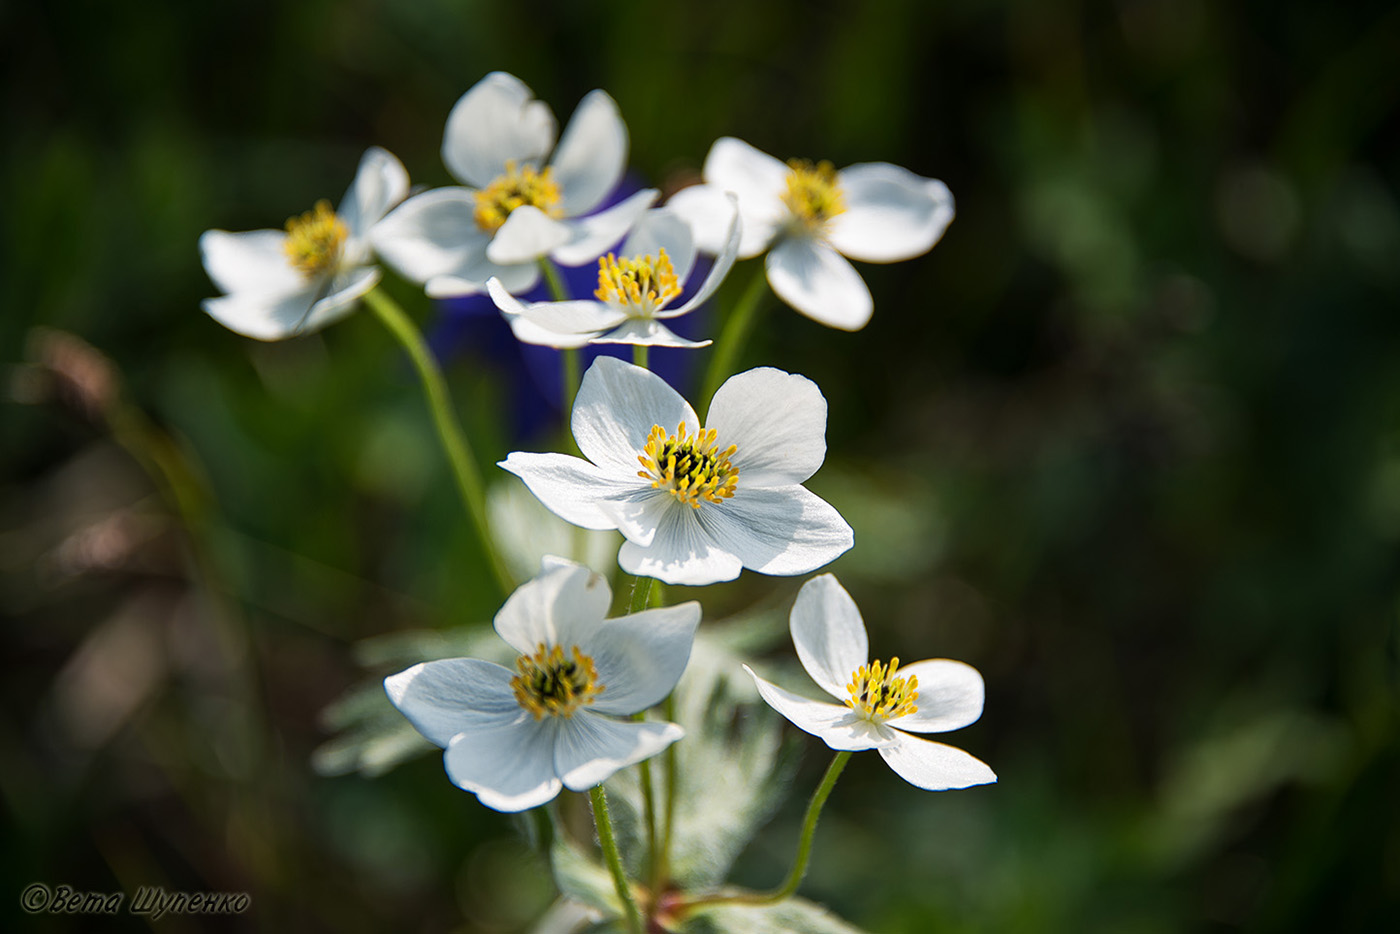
[(878, 695), (552, 683), (691, 467), (314, 240), (812, 194), (516, 188), (642, 283)]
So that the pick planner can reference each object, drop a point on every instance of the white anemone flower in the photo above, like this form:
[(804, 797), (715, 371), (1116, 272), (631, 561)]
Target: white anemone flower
[(633, 293), (880, 704), (514, 207), (280, 283), (514, 738), (814, 218), (706, 502)]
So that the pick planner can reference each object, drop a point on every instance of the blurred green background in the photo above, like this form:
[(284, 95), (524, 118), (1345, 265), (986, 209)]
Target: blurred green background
[(1127, 440)]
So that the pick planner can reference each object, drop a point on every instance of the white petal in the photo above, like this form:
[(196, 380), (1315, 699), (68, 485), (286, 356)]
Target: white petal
[(681, 552), (432, 234), (472, 279), (828, 633), (708, 209), (380, 183), (839, 727), (592, 153), (780, 530), (934, 766), (454, 695), (510, 767), (759, 181), (641, 657), (253, 261), (572, 317), (950, 696), (563, 606), (590, 748), (615, 409), (571, 487), (590, 237), (264, 317), (639, 515), (646, 332), (527, 234), (723, 263), (346, 291), (662, 229), (496, 122), (778, 422), (817, 281), (527, 332), (891, 213)]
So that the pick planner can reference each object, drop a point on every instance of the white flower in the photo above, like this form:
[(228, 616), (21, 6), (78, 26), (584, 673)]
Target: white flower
[(514, 738), (878, 701), (280, 283), (706, 502), (813, 216), (633, 292), (515, 209)]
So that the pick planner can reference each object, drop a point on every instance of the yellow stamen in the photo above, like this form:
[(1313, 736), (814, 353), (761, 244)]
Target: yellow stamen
[(691, 467), (812, 195), (314, 240), (516, 188), (877, 695), (642, 285), (552, 683)]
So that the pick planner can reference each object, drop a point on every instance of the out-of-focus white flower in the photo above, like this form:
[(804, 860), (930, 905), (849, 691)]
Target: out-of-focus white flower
[(813, 217), (707, 502), (279, 283), (515, 208), (633, 292), (515, 738), (878, 702)]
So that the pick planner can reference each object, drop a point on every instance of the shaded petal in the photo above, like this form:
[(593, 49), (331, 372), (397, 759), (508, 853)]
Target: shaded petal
[(950, 696), (509, 767), (496, 122), (571, 487), (778, 422), (891, 213), (817, 281), (641, 657), (571, 317), (590, 748), (347, 289), (779, 530), (662, 229), (562, 606), (527, 234), (828, 633), (759, 181), (454, 695), (432, 234), (616, 406), (681, 552), (723, 263), (708, 210), (380, 183), (839, 727), (472, 279), (591, 154), (527, 332), (590, 236), (646, 332), (934, 766), (640, 514), (270, 317), (251, 261)]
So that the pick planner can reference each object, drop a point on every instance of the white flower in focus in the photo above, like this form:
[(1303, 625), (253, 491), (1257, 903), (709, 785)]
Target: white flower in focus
[(814, 217), (633, 293), (280, 283), (515, 207), (706, 502), (878, 702), (514, 738)]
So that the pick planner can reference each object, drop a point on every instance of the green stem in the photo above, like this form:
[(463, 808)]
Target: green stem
[(553, 279), (668, 712), (609, 844), (570, 355), (639, 355), (658, 863), (643, 588), (736, 330), (454, 441)]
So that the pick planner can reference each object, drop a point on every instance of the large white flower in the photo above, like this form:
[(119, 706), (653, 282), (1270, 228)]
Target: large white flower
[(280, 283), (878, 702), (814, 217), (514, 738), (515, 208), (707, 502), (633, 291)]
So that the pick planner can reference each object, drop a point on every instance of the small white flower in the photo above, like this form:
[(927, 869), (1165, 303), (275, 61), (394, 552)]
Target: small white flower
[(514, 209), (813, 217), (878, 701), (633, 292), (706, 502), (280, 283), (514, 738)]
